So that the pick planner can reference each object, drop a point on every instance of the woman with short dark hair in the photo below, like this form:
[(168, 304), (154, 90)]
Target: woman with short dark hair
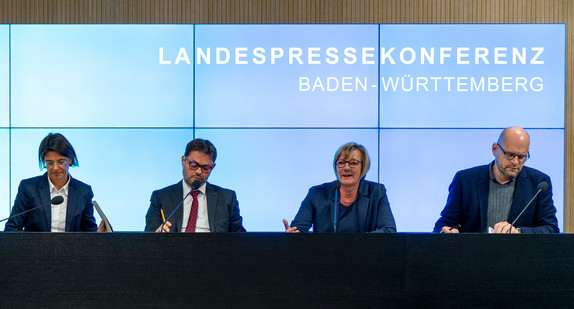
[(53, 202)]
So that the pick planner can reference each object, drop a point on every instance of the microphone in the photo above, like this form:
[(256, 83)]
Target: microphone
[(194, 186), (56, 200), (542, 187), (337, 185)]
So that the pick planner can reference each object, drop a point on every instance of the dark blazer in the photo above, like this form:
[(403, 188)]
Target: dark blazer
[(35, 192), (467, 202), (373, 208), (222, 209)]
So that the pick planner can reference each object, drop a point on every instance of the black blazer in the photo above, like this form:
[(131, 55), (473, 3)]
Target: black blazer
[(222, 209), (35, 192), (467, 202)]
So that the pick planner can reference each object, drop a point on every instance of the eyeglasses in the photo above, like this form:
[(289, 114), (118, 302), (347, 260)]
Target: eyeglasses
[(194, 165), (352, 163), (509, 155), (61, 163)]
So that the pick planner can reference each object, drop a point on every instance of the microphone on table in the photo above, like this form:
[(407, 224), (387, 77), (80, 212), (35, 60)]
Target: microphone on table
[(543, 186), (56, 200), (194, 186), (337, 185)]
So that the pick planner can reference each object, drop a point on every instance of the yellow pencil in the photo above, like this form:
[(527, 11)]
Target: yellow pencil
[(162, 216)]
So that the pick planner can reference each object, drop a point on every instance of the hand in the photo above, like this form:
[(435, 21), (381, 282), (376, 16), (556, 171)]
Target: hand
[(448, 229), (165, 226), (503, 227), (102, 227), (289, 229)]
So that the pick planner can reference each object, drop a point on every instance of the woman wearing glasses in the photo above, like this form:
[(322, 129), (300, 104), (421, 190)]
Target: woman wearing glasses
[(53, 202), (361, 205)]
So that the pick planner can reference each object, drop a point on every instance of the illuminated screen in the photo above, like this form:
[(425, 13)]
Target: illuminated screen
[(4, 122), (472, 76), (273, 84), (5, 171), (417, 176), (4, 77), (101, 76), (277, 101)]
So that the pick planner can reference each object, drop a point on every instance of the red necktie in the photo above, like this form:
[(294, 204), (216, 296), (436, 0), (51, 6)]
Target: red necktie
[(192, 221)]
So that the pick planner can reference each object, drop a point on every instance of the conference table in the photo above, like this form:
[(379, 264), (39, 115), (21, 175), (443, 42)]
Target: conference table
[(278, 270)]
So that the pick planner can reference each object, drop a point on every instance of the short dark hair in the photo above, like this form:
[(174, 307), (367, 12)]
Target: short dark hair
[(58, 143), (201, 145)]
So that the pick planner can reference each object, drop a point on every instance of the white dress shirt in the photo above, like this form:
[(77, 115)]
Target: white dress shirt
[(202, 225), (59, 211)]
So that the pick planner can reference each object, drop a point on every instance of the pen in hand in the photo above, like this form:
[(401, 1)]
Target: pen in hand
[(162, 216), (455, 227)]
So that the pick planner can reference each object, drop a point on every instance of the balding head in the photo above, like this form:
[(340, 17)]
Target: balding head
[(515, 136)]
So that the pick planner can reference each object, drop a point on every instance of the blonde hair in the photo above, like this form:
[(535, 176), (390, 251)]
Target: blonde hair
[(346, 150)]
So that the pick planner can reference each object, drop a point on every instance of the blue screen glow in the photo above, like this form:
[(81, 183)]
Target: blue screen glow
[(277, 101)]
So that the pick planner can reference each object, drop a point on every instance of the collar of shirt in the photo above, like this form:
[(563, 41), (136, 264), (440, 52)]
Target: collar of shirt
[(491, 175), (58, 223), (202, 216), (63, 190), (187, 188)]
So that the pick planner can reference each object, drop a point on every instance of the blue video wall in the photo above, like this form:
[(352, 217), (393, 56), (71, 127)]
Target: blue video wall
[(277, 101)]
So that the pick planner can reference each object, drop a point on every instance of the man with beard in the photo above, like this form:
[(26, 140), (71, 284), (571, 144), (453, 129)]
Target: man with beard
[(486, 198), (206, 207)]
